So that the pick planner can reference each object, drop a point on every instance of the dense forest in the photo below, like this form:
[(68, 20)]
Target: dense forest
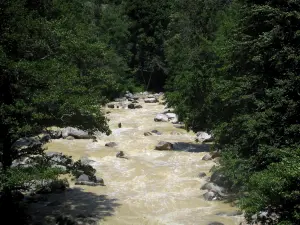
[(228, 67)]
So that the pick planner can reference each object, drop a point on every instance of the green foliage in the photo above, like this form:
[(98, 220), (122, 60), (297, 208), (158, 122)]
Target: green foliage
[(58, 65), (234, 70), (148, 22), (232, 67), (193, 61), (23, 178), (276, 191)]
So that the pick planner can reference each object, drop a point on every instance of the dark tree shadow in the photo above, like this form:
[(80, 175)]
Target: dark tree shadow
[(190, 147), (79, 206)]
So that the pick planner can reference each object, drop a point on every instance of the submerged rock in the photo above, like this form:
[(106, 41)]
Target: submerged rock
[(111, 144), (202, 174), (156, 132), (163, 145), (69, 138)]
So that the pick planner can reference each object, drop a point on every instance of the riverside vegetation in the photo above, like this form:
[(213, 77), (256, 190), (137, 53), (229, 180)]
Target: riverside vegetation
[(230, 68)]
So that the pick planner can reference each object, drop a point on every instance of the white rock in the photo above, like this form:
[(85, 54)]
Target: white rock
[(74, 132), (161, 118), (150, 100), (171, 115), (203, 135)]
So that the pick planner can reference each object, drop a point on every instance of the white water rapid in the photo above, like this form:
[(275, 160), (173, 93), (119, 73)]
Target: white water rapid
[(151, 187)]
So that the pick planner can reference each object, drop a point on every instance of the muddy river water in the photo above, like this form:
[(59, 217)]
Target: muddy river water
[(150, 187)]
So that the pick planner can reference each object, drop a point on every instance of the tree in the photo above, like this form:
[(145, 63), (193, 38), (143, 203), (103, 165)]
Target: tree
[(264, 70), (148, 22), (57, 68), (245, 89), (193, 61)]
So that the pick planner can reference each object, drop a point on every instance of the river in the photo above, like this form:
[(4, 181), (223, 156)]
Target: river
[(150, 187)]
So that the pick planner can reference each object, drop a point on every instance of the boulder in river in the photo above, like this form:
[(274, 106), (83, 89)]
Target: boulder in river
[(207, 157), (171, 115), (203, 136), (219, 179), (111, 144), (128, 95), (84, 179), (111, 105), (161, 118), (76, 133), (202, 174), (138, 107), (131, 106), (210, 196), (156, 132), (163, 145), (147, 133), (28, 144), (120, 154), (150, 100), (213, 187), (211, 155), (86, 161), (219, 191), (54, 132), (58, 158)]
